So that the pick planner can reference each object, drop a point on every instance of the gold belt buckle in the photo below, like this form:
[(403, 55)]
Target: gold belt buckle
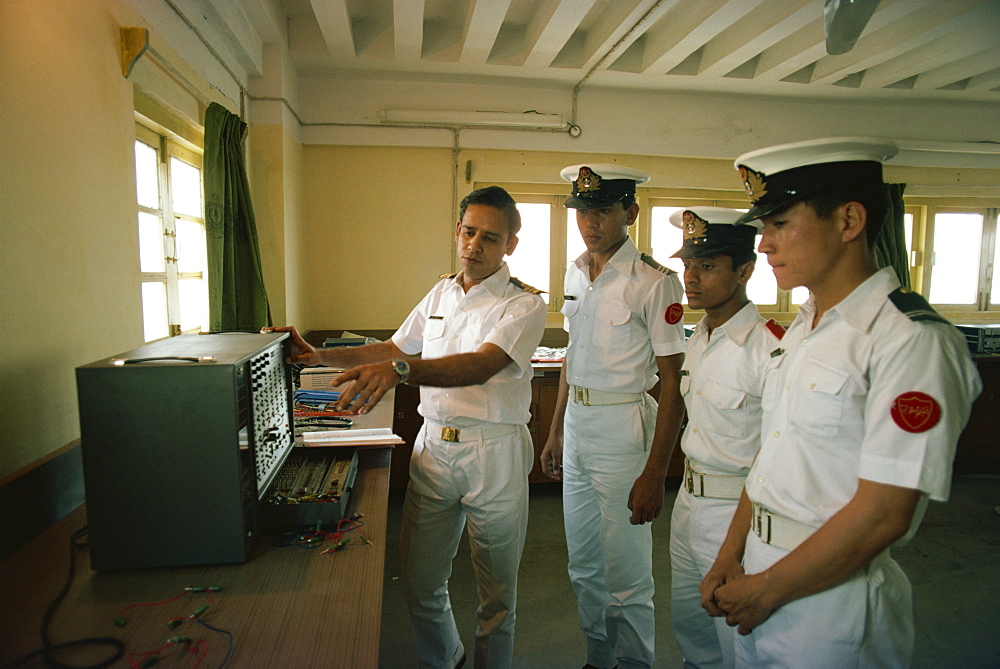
[(449, 434), (760, 526), (688, 477), (581, 395)]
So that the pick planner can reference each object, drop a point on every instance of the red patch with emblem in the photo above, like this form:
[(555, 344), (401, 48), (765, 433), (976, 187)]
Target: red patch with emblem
[(776, 328), (674, 313), (915, 411)]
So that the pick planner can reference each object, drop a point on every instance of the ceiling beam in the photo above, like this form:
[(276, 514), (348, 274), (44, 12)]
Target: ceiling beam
[(482, 25), (982, 61), (740, 42), (408, 29), (688, 28), (547, 39), (899, 29), (937, 54), (335, 25)]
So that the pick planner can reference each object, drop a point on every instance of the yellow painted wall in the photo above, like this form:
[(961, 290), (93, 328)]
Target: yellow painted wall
[(379, 231), (68, 238)]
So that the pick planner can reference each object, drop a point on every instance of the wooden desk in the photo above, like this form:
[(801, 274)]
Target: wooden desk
[(285, 607)]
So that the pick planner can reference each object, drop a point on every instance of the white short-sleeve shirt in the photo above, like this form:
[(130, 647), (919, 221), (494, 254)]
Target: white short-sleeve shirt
[(449, 321), (869, 393), (722, 382), (619, 322)]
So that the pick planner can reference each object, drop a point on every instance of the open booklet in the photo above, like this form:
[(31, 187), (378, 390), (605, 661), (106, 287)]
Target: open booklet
[(378, 436)]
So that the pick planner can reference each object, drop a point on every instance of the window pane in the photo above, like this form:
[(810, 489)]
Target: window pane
[(666, 239), (531, 259), (763, 287), (995, 288), (154, 310), (574, 242), (193, 295), (147, 184), (190, 249), (185, 185), (957, 242), (150, 243), (908, 231)]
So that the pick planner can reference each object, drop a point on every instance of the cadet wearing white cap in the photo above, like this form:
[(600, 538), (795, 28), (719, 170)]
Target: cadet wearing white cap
[(722, 382), (476, 332), (609, 438), (863, 405)]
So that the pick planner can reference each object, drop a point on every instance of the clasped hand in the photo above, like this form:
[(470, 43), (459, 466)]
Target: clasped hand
[(726, 591)]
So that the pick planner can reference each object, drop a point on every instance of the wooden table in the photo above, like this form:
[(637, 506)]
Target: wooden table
[(285, 607)]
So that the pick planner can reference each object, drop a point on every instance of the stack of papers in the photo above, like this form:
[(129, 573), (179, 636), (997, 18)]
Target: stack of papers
[(379, 436)]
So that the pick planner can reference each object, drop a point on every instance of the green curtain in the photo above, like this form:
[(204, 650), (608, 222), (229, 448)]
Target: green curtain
[(237, 299), (890, 247)]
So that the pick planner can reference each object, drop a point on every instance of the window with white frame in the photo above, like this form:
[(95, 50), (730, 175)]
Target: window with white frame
[(170, 216), (959, 258)]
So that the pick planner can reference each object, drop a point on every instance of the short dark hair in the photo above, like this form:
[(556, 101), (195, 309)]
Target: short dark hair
[(498, 198), (872, 196), (740, 257)]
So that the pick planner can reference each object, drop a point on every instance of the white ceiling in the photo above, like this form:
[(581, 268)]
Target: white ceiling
[(917, 49)]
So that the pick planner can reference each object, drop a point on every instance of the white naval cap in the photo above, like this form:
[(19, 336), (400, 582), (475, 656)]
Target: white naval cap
[(777, 176)]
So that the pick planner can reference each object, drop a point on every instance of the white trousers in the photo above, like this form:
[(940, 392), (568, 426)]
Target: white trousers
[(698, 526), (484, 485), (866, 621), (610, 560)]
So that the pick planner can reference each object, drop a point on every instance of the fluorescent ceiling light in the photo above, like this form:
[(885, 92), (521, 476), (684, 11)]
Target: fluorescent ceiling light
[(473, 118)]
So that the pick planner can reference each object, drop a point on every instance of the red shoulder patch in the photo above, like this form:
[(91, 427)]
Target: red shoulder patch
[(776, 328), (915, 411), (674, 313)]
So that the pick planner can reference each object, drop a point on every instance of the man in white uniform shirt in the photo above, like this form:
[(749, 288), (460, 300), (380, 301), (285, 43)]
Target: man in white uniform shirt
[(477, 332), (722, 382), (863, 405), (610, 442)]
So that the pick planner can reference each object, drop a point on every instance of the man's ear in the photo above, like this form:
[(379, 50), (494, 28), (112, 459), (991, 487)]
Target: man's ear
[(512, 244), (854, 219), (745, 271), (632, 213)]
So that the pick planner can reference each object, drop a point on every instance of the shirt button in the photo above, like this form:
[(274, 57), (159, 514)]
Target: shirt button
[(590, 287), (694, 430), (812, 386), (698, 393), (777, 435), (760, 479)]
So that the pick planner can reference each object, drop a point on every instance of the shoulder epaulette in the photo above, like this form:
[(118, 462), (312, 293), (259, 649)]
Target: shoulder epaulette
[(525, 287), (448, 276), (776, 328), (648, 259), (915, 307)]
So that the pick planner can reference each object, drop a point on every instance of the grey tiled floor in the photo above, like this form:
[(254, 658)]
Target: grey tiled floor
[(953, 564)]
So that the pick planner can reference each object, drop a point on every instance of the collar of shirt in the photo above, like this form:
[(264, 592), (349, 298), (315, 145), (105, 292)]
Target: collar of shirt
[(495, 284), (860, 308), (738, 327), (623, 260)]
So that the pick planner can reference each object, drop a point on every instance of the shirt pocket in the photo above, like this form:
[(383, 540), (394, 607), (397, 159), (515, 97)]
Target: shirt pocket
[(613, 328), (727, 408), (816, 404)]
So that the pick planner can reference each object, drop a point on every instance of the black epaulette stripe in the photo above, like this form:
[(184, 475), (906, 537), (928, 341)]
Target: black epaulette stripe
[(648, 259), (448, 276), (915, 307), (525, 287)]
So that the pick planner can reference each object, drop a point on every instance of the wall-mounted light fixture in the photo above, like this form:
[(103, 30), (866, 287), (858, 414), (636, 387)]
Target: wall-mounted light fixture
[(528, 119)]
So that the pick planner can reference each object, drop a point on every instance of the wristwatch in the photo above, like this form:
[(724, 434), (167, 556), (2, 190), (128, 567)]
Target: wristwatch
[(402, 368)]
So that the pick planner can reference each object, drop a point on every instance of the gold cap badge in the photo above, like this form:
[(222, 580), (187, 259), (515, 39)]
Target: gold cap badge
[(587, 181), (694, 226), (754, 183)]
